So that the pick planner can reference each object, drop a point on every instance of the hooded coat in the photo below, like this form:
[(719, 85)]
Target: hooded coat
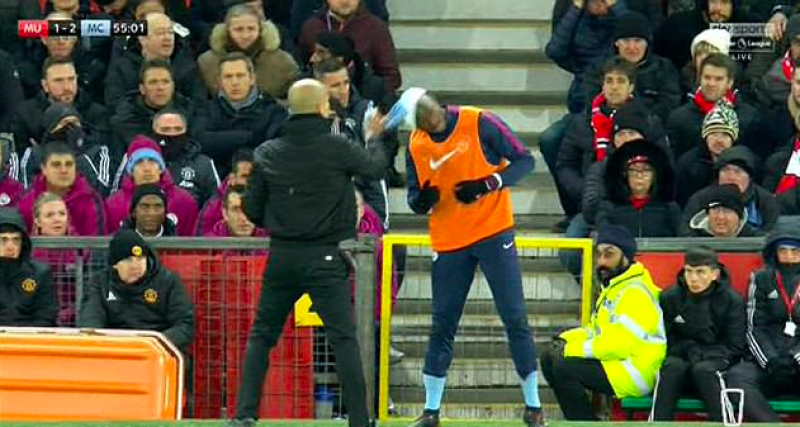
[(87, 214), (275, 69), (181, 206), (767, 313), (695, 171), (705, 326), (10, 188), (660, 216), (27, 297), (211, 213), (157, 302), (134, 117), (122, 80), (762, 208)]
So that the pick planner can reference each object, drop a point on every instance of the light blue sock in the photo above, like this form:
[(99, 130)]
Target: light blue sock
[(434, 389), (530, 389)]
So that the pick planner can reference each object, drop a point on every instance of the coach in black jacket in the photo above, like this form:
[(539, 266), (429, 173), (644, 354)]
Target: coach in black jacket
[(302, 192), (773, 316), (139, 293), (27, 297), (705, 322)]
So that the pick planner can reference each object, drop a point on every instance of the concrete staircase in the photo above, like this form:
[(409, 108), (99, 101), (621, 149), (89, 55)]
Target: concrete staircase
[(488, 54)]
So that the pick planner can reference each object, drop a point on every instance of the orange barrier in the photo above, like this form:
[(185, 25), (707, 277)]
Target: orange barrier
[(664, 267), (53, 374)]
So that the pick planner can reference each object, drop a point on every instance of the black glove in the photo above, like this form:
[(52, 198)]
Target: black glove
[(427, 197), (470, 191), (694, 355), (558, 347)]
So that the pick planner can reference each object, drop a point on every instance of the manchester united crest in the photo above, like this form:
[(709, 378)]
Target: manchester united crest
[(136, 251), (29, 286), (150, 296)]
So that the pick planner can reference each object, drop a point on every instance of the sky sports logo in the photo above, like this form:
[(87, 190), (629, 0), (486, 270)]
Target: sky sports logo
[(747, 39)]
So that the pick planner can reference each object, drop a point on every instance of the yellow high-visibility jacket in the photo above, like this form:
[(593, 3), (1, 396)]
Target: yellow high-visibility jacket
[(626, 333)]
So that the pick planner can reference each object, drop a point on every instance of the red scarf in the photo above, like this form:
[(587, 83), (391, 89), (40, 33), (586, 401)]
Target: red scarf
[(790, 178), (638, 203), (603, 126), (705, 106), (788, 66)]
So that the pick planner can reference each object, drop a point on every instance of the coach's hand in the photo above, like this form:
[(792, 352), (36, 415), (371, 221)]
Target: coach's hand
[(471, 191), (427, 197)]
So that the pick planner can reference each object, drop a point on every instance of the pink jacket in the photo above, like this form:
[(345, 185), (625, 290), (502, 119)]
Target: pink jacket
[(87, 214), (371, 224)]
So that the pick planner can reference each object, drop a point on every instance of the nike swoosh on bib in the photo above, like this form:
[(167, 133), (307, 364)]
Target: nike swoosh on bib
[(437, 164)]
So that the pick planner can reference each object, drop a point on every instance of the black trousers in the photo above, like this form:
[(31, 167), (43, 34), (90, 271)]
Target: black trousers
[(322, 272), (571, 378), (679, 377), (757, 386)]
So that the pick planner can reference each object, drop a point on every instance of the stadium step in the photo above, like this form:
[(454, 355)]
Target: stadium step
[(460, 10)]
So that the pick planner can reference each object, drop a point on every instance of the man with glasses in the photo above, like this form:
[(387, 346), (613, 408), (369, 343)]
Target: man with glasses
[(620, 351)]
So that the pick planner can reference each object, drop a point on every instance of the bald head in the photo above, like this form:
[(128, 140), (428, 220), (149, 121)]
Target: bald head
[(308, 96)]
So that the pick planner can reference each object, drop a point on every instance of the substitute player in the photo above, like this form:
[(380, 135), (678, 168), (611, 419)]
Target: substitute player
[(461, 162)]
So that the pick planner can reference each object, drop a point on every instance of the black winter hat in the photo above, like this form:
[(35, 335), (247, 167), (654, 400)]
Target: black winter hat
[(740, 156), (103, 2), (338, 44), (56, 112), (726, 196), (147, 190), (633, 115), (632, 25), (618, 236), (126, 243)]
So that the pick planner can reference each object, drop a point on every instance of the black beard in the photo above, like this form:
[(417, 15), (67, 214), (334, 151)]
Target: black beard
[(606, 274)]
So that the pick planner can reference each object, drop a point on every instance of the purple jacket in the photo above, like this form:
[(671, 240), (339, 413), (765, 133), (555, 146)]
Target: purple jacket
[(181, 206), (371, 224), (87, 214), (211, 213), (10, 191), (63, 264)]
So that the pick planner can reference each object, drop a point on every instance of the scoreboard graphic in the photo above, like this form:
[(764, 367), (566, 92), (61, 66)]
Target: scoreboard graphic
[(34, 29)]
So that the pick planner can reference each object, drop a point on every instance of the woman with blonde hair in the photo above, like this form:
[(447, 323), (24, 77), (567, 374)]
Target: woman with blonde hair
[(51, 219), (244, 31)]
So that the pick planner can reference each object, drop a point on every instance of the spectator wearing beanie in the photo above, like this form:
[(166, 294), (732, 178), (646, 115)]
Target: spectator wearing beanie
[(59, 175), (274, 68), (696, 166), (148, 215), (713, 40), (601, 356), (737, 166), (144, 164), (657, 80), (719, 212), (674, 39), (640, 192), (371, 37), (123, 75), (65, 125), (685, 124), (139, 293), (772, 75)]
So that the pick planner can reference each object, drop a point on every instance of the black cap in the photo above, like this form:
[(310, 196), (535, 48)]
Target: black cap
[(740, 156), (632, 25), (147, 190), (126, 243), (633, 115), (56, 112), (338, 44)]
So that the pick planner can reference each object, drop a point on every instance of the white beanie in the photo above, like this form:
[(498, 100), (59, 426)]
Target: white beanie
[(720, 39)]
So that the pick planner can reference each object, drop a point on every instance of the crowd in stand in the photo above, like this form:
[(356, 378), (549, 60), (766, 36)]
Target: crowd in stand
[(722, 157)]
